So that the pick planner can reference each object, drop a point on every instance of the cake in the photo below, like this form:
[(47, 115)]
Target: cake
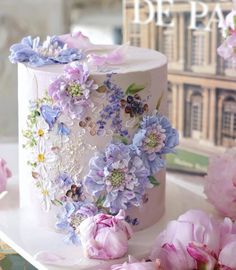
[(92, 131)]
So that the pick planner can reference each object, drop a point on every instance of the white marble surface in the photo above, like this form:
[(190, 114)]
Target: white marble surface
[(17, 229)]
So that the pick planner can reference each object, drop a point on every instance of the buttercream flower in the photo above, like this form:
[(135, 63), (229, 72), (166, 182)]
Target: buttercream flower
[(220, 183), (43, 154), (72, 90), (72, 214), (155, 138), (190, 242), (41, 129), (134, 264), (5, 173), (51, 51), (105, 237), (48, 193), (119, 175)]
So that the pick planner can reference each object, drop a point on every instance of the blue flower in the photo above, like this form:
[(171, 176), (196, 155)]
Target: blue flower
[(155, 138), (64, 180), (119, 175), (51, 51), (63, 129), (50, 114), (72, 214)]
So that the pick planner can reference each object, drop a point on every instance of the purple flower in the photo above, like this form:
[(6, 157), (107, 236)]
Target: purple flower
[(155, 138), (71, 91), (71, 216), (51, 51), (119, 175)]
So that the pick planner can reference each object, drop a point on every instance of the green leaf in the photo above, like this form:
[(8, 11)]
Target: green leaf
[(234, 21), (159, 101), (123, 139), (153, 181), (100, 201), (134, 88)]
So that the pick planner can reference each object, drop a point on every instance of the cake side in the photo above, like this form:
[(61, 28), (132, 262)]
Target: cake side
[(75, 142)]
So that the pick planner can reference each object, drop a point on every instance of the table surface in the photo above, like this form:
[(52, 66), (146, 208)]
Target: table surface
[(17, 230)]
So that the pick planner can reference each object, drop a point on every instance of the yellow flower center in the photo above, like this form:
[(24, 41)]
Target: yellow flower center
[(41, 158), (74, 90), (40, 132), (45, 192), (152, 141), (116, 178)]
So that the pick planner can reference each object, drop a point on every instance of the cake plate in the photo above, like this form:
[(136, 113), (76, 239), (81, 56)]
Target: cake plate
[(27, 239)]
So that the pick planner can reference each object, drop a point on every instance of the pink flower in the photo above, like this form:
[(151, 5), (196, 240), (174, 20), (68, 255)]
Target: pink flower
[(227, 49), (104, 236), (227, 258), (5, 173), (220, 183), (76, 40), (189, 242), (115, 57), (134, 264)]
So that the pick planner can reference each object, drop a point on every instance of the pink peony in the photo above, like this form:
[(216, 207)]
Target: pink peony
[(220, 183), (133, 264), (227, 258), (188, 243), (5, 173), (104, 236), (76, 40)]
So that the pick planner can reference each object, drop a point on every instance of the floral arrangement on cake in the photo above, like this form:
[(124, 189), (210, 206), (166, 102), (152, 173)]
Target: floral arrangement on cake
[(118, 175)]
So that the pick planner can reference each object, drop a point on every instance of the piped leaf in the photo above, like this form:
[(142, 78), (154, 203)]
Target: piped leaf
[(159, 101), (153, 181), (122, 139), (100, 201), (134, 88)]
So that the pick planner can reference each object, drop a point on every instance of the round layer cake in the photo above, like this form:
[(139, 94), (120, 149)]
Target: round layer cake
[(84, 142)]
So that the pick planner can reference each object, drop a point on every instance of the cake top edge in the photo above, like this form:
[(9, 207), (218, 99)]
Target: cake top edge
[(57, 51)]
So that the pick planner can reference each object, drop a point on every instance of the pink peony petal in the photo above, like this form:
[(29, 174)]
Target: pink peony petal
[(76, 40), (116, 57), (5, 173)]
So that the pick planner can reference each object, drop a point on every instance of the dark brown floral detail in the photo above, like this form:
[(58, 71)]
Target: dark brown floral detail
[(75, 193), (133, 105)]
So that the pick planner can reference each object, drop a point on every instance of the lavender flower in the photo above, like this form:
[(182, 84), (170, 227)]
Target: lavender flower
[(71, 216), (51, 51), (71, 91), (112, 111), (119, 175), (155, 138)]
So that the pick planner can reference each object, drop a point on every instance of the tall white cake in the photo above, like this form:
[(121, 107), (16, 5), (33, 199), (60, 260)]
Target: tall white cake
[(93, 132)]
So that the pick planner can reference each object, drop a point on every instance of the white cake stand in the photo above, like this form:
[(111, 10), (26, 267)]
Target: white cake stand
[(17, 230)]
